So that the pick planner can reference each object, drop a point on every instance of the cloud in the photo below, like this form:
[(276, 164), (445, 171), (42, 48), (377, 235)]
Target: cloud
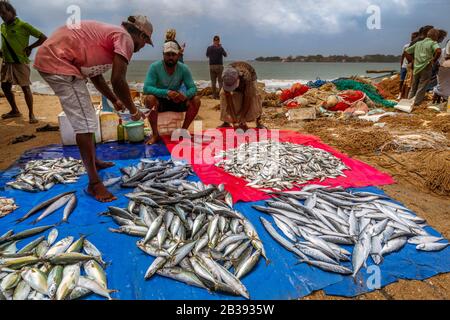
[(287, 16)]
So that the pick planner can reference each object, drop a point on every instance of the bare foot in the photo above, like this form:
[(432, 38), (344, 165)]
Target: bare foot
[(261, 126), (153, 140), (33, 119), (102, 165), (100, 193)]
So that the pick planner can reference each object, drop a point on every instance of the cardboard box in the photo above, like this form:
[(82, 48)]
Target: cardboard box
[(168, 122)]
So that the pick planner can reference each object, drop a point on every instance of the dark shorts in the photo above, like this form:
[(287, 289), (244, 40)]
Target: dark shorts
[(166, 105), (403, 74)]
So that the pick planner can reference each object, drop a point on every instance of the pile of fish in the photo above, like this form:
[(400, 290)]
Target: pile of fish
[(193, 232), (7, 206), (42, 175), (160, 171), (279, 166), (328, 218), (68, 200), (48, 270)]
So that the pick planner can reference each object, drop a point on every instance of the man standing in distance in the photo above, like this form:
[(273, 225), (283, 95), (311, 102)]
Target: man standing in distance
[(16, 51), (215, 53), (73, 55)]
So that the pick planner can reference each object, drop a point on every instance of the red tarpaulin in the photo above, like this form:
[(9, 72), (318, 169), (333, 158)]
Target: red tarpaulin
[(201, 156)]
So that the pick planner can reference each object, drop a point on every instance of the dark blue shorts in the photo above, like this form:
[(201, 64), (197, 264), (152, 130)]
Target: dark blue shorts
[(403, 74), (166, 105)]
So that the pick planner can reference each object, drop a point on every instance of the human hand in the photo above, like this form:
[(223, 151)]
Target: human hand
[(173, 95), (181, 97), (138, 115), (27, 51), (119, 106)]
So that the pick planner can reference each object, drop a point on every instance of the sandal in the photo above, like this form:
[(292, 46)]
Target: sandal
[(11, 115)]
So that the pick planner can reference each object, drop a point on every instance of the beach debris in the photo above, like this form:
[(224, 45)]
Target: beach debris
[(154, 170), (68, 200), (23, 138), (280, 165), (44, 269), (42, 175), (7, 206), (194, 233), (319, 224)]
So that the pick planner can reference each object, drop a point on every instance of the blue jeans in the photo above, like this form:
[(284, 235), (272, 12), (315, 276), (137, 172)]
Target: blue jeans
[(403, 74)]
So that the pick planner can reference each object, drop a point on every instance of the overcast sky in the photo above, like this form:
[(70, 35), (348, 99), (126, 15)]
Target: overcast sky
[(252, 28)]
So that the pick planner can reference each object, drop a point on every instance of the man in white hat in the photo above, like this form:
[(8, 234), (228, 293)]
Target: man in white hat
[(239, 100), (74, 54), (163, 89)]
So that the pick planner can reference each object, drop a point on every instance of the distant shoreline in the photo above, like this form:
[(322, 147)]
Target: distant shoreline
[(373, 58)]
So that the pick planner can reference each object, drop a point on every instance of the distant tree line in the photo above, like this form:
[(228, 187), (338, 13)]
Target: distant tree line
[(334, 58)]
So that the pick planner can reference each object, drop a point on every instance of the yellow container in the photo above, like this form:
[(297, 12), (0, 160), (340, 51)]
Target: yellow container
[(108, 123)]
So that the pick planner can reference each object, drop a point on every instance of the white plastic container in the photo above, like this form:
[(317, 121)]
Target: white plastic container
[(405, 105), (68, 135)]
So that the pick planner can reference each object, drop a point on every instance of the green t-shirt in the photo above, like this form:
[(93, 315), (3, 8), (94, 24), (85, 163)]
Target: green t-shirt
[(423, 52), (18, 36), (158, 83)]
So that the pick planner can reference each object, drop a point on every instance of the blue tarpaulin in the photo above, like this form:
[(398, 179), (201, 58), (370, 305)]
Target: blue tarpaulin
[(281, 279)]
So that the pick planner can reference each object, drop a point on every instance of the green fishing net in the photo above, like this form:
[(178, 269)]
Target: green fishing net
[(369, 90)]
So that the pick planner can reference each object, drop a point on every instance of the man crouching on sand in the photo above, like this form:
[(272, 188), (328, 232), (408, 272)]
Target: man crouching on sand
[(74, 54), (162, 87), (240, 102)]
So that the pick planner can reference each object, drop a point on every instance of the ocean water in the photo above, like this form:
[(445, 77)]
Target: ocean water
[(274, 74)]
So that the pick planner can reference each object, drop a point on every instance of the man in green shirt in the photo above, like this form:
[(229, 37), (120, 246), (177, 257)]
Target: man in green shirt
[(16, 50), (163, 89), (424, 54)]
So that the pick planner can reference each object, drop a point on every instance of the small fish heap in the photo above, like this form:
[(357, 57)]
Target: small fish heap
[(68, 200), (193, 232), (7, 206), (42, 175), (154, 170), (330, 218), (279, 166), (48, 270)]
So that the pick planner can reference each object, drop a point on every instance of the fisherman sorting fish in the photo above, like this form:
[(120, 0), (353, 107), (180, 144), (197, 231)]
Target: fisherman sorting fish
[(240, 102), (72, 55)]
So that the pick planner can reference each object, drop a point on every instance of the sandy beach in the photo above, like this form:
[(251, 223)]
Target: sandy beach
[(411, 188)]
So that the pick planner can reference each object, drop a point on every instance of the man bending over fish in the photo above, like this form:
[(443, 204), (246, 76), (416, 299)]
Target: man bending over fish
[(240, 102), (74, 54), (162, 87)]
